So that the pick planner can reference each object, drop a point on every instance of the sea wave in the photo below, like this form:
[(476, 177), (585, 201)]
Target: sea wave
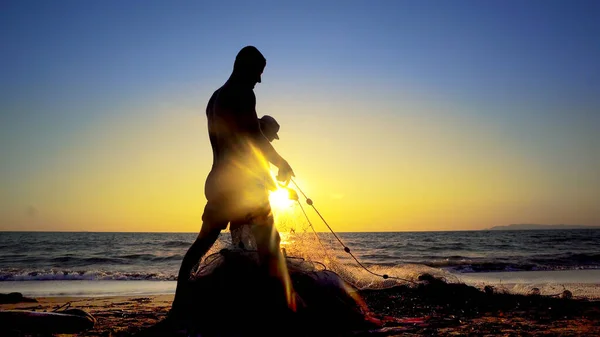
[(90, 275), (467, 264), (177, 243), (157, 256)]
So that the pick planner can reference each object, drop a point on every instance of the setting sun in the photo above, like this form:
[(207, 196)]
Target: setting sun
[(280, 199)]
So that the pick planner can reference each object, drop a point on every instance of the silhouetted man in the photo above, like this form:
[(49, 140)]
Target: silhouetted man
[(237, 187)]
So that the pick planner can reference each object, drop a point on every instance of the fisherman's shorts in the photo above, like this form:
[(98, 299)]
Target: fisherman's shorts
[(248, 206)]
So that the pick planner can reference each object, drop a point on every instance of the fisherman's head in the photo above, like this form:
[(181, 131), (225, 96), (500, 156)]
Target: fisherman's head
[(269, 127), (249, 66)]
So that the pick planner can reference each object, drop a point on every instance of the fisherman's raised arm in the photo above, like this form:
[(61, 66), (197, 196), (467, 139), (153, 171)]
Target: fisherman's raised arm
[(249, 120)]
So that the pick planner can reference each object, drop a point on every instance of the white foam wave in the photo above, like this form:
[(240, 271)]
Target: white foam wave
[(92, 275)]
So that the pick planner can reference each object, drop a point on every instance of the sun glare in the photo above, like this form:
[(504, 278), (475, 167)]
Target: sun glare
[(280, 199)]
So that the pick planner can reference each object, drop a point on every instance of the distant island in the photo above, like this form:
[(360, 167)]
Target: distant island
[(538, 226)]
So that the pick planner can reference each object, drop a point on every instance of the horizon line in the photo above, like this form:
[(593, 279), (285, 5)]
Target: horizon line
[(385, 231)]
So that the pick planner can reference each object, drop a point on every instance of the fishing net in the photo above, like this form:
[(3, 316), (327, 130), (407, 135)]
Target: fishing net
[(309, 247)]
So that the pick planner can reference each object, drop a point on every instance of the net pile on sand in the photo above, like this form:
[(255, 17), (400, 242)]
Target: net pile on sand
[(229, 280)]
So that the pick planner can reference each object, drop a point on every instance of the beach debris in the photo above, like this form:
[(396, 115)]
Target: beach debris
[(64, 322), (566, 294), (141, 299), (428, 278), (12, 298)]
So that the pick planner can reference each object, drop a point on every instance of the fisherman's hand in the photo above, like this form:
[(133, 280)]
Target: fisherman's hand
[(285, 173)]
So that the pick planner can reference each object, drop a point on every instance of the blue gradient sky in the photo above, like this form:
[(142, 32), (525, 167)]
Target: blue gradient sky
[(396, 115)]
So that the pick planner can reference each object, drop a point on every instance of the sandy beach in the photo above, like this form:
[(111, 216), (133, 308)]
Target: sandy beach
[(433, 308), (115, 315)]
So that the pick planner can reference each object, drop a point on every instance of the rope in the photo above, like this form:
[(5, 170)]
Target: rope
[(346, 248), (311, 226)]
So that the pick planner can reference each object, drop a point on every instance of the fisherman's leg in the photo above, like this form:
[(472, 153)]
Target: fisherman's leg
[(271, 258), (205, 240), (241, 235), (212, 224)]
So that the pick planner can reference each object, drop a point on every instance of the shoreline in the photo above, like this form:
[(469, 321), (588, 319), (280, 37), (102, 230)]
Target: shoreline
[(582, 284)]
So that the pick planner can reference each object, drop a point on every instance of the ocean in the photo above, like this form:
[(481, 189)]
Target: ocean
[(96, 264)]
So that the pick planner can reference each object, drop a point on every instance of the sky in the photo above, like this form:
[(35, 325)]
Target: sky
[(395, 115)]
